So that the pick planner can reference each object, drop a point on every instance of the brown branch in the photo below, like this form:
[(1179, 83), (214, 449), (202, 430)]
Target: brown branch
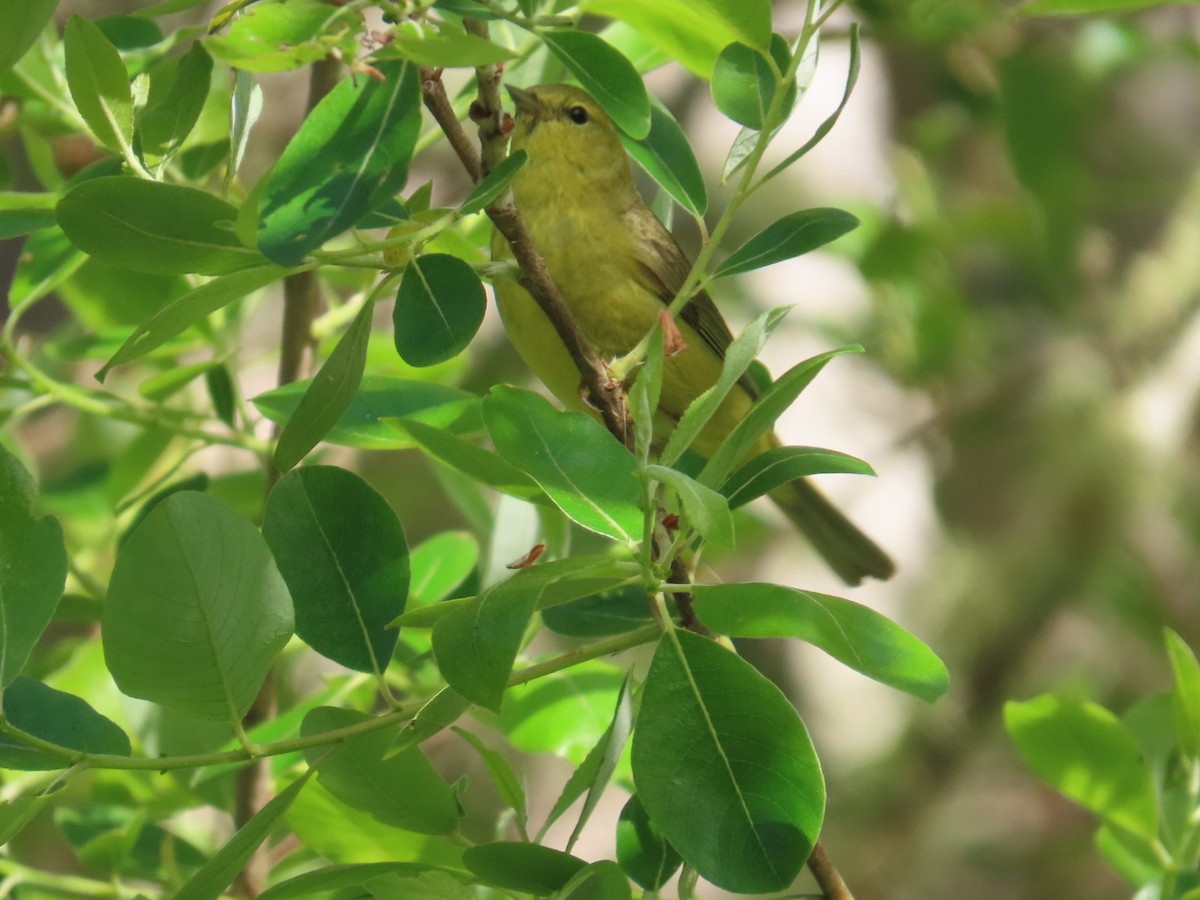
[(828, 878), (607, 395)]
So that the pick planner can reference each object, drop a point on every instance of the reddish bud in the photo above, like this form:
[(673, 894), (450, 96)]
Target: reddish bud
[(528, 559), (673, 342)]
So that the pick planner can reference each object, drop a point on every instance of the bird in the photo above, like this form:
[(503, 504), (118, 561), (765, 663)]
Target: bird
[(617, 268)]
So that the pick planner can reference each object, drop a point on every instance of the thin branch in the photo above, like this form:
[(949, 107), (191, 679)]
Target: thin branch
[(607, 395), (828, 878)]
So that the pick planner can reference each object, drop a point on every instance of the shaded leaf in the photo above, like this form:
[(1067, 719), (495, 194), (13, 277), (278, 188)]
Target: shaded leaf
[(59, 718), (779, 465), (494, 184), (642, 852), (472, 460), (668, 158), (608, 76), (99, 83), (743, 85), (439, 307), (704, 509), (530, 868), (164, 125), (793, 235), (24, 22)]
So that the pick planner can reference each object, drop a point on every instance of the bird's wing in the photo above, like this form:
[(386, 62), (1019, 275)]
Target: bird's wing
[(662, 270)]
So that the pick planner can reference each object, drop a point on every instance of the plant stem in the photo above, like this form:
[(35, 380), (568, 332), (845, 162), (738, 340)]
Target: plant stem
[(833, 887)]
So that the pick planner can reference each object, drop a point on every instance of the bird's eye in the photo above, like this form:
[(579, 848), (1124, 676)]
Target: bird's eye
[(578, 115)]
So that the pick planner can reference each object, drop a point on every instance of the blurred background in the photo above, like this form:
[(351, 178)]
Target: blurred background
[(1026, 282)]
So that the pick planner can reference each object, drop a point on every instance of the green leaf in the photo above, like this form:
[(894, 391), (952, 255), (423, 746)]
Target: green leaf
[(741, 353), (59, 718), (565, 713), (645, 394), (504, 779), (608, 76), (773, 402), (475, 645), (583, 469), (323, 881), (779, 465), (601, 880), (614, 611), (743, 85), (196, 610), (342, 552), (185, 311), (218, 873), (1185, 698), (642, 852), (597, 769), (793, 235), (245, 109), (440, 564), (15, 814), (24, 22), (849, 632), (683, 30), (164, 125), (349, 158), (1082, 750), (446, 48), (530, 868), (1084, 7), (439, 307), (667, 157), (275, 37), (402, 790), (703, 508), (148, 226), (744, 804), (439, 712), (47, 261), (380, 398), (33, 567), (494, 184), (472, 460), (329, 394), (99, 83), (21, 213), (750, 19)]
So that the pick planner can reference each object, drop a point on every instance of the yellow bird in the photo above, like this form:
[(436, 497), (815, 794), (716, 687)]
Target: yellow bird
[(617, 268)]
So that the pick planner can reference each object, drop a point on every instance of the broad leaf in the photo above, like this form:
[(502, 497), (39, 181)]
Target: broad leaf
[(348, 158), (1083, 750), (440, 564), (667, 157), (565, 713), (56, 717), (164, 124), (196, 610), (472, 460), (744, 804), (642, 852), (342, 552), (743, 85), (33, 567), (751, 19), (444, 47), (148, 226), (849, 632), (275, 37), (608, 76), (25, 21), (529, 868), (680, 28), (795, 234), (329, 394), (328, 879), (439, 307), (583, 469), (602, 880), (99, 83)]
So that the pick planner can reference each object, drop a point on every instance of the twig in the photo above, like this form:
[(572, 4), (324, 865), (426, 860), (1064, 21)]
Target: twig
[(606, 394), (827, 875)]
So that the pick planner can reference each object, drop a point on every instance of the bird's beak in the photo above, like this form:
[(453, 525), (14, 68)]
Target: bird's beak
[(526, 102)]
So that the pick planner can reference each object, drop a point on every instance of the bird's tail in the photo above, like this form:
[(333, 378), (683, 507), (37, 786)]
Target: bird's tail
[(848, 551)]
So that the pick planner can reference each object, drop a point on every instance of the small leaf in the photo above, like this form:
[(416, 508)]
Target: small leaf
[(245, 109), (219, 872), (196, 610), (504, 779), (185, 311), (472, 460), (342, 552), (380, 398), (1185, 698), (744, 804), (164, 125), (645, 395), (327, 880), (849, 632), (24, 23), (608, 76), (583, 469), (779, 465), (602, 880), (439, 307), (99, 83), (1083, 750), (668, 158), (329, 394), (642, 852), (530, 868), (494, 184), (741, 353), (444, 48), (776, 398), (704, 509), (349, 158), (476, 645), (148, 226), (275, 37), (33, 567), (440, 564), (56, 717), (743, 85), (793, 235), (401, 789)]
